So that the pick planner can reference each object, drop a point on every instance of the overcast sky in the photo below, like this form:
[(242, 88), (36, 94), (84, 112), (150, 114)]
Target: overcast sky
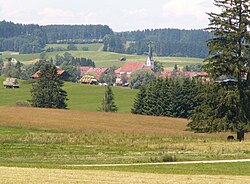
[(120, 15)]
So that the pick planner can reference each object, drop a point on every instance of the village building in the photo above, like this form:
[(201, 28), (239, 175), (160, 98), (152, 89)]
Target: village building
[(130, 67), (62, 73)]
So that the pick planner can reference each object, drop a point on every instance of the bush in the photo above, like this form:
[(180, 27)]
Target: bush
[(23, 104), (169, 158)]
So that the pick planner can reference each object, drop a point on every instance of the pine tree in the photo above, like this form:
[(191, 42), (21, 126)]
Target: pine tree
[(108, 104), (139, 103), (228, 56), (47, 91)]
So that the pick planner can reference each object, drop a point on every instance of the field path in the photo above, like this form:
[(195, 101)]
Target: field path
[(162, 163)]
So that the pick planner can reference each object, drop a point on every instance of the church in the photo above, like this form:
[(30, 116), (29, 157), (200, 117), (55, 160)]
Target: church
[(130, 67)]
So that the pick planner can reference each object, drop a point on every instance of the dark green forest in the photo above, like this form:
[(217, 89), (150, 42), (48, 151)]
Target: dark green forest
[(32, 38)]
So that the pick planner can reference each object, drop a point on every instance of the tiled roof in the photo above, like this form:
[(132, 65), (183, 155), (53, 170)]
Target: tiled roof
[(35, 75), (84, 68), (132, 66), (96, 71)]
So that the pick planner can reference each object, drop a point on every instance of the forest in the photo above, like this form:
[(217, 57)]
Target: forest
[(32, 38)]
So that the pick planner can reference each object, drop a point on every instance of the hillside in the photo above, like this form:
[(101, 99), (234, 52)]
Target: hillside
[(81, 97), (107, 59), (31, 38)]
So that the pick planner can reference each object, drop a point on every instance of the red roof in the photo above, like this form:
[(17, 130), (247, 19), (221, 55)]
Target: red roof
[(131, 66), (97, 71), (35, 75), (84, 68), (118, 70), (147, 68)]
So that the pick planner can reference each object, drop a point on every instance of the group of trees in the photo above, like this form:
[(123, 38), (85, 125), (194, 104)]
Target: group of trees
[(32, 38), (227, 106), (47, 90), (165, 42), (167, 97)]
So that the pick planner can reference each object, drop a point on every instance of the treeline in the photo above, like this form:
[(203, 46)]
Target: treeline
[(32, 38), (168, 97), (165, 42), (75, 33)]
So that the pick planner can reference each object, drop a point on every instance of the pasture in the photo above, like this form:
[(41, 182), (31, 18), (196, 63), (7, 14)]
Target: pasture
[(81, 97), (105, 59)]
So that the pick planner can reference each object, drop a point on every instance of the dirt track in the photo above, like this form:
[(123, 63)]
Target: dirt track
[(162, 163)]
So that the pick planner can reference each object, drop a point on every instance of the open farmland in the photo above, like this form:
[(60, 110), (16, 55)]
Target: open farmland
[(81, 97), (26, 175), (33, 137), (107, 59)]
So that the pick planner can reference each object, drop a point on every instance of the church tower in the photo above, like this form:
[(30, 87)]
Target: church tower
[(150, 60)]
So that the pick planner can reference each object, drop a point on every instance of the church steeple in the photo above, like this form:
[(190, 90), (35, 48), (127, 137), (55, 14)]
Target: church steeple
[(150, 60)]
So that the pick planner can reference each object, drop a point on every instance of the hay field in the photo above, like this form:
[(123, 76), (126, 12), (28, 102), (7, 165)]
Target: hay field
[(50, 138), (84, 120), (33, 175)]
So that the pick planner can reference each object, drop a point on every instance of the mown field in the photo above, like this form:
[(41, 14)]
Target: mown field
[(81, 97), (104, 59), (50, 138), (26, 175)]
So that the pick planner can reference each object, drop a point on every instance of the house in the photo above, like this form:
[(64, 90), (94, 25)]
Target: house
[(64, 75), (96, 72), (83, 70), (130, 67)]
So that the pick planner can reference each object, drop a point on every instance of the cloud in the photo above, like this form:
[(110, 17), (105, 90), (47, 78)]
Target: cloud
[(55, 15), (187, 14), (182, 8)]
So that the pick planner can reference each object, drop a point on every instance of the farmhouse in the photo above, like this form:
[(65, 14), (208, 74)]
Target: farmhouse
[(63, 74), (130, 67)]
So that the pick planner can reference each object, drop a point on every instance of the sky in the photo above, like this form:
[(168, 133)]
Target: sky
[(120, 15)]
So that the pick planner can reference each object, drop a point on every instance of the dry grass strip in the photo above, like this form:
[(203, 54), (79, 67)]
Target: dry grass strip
[(32, 175)]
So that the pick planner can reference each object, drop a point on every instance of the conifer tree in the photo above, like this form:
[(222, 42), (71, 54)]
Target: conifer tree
[(228, 56), (47, 91), (139, 103), (108, 104)]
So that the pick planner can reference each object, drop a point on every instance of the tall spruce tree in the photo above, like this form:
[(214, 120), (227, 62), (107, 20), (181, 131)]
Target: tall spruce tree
[(139, 103), (228, 56), (108, 104), (47, 91)]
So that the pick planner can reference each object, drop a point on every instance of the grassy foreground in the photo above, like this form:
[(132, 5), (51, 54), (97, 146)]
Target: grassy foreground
[(50, 138), (26, 175)]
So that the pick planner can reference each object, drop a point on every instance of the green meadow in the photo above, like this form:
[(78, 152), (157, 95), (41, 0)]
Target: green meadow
[(103, 59), (81, 97)]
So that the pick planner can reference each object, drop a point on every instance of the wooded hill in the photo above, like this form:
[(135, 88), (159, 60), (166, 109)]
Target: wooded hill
[(32, 38)]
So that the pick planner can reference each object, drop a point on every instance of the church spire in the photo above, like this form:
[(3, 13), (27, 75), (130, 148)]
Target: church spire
[(150, 60)]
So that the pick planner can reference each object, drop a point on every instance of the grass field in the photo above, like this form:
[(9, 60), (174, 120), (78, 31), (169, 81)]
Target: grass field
[(26, 175), (32, 137), (107, 59), (81, 97)]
